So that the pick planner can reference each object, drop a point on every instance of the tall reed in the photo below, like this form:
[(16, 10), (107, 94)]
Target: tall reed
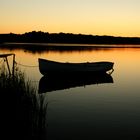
[(25, 109)]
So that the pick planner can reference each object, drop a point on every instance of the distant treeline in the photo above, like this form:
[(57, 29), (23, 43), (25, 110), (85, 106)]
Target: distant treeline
[(45, 37)]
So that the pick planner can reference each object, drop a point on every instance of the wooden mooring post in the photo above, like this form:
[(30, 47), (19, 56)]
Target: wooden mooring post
[(5, 57)]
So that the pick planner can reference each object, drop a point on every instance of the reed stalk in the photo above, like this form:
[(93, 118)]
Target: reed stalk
[(25, 109)]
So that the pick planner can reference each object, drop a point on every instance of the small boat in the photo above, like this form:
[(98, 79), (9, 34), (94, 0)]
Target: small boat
[(51, 82), (48, 66)]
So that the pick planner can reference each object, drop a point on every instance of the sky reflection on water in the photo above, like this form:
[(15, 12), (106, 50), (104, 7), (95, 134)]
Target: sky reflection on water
[(107, 110)]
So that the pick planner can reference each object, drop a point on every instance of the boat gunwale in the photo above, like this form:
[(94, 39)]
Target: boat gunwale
[(100, 62)]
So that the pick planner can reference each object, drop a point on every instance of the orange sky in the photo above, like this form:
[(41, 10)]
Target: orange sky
[(97, 17)]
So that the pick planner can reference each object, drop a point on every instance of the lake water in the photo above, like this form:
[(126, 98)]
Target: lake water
[(107, 108)]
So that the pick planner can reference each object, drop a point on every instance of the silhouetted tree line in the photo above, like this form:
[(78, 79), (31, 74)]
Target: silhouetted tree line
[(46, 37)]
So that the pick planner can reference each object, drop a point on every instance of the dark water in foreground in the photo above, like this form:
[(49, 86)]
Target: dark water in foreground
[(105, 107)]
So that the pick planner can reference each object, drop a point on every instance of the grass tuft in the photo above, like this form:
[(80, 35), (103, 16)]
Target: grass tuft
[(24, 109)]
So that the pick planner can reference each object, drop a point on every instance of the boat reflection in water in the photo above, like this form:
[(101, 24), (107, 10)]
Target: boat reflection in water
[(55, 82)]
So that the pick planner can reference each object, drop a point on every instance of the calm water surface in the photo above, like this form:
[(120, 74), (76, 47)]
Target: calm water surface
[(108, 109)]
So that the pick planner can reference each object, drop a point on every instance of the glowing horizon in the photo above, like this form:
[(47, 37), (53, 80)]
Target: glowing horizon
[(95, 17)]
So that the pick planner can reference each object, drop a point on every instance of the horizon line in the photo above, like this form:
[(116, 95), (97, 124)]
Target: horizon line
[(71, 33)]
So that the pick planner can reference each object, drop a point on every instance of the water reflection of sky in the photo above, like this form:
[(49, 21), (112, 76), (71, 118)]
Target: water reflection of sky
[(91, 110)]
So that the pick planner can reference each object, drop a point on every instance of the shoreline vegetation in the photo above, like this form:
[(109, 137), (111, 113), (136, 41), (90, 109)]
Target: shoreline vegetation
[(24, 110), (69, 38), (38, 41)]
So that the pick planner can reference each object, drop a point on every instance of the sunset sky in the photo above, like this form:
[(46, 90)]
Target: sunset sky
[(96, 17)]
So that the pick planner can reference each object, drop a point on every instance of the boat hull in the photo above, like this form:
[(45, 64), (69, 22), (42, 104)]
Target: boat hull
[(47, 66)]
